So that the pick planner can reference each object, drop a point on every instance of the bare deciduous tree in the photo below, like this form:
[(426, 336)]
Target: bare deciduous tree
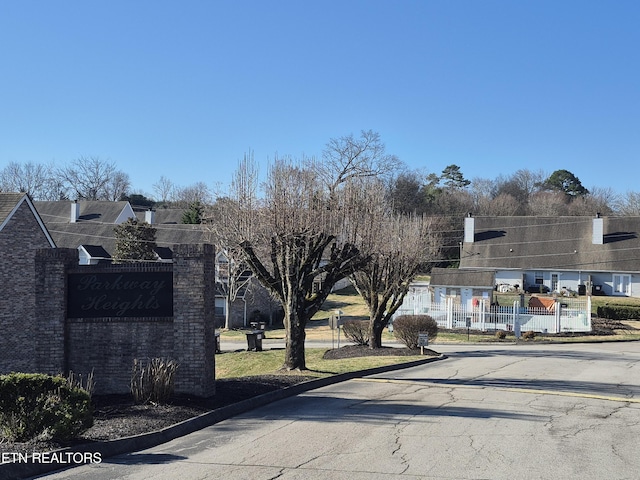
[(233, 275), (164, 189), (34, 179), (548, 204), (195, 193), (90, 178), (628, 204), (529, 181), (503, 205), (117, 187), (349, 157), (233, 278), (294, 242), (397, 247), (598, 200)]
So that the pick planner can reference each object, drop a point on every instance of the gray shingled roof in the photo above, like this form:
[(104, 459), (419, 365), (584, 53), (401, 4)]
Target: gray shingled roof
[(96, 251), (71, 235), (171, 216), (90, 211), (553, 243), (453, 277), (8, 202)]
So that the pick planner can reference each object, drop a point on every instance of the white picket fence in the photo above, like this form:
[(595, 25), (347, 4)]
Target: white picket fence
[(566, 315)]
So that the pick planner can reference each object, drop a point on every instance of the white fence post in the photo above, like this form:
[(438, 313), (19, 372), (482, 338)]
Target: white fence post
[(557, 313), (449, 313)]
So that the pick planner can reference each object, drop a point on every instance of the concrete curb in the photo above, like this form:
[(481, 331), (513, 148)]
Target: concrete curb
[(136, 443)]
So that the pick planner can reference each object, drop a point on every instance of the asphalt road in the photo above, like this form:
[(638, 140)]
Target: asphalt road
[(494, 412)]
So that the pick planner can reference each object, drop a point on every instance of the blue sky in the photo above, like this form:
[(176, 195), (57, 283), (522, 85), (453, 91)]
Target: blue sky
[(183, 89)]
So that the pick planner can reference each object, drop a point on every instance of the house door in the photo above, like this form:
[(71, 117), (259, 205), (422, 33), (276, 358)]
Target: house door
[(554, 282), (466, 296), (621, 284)]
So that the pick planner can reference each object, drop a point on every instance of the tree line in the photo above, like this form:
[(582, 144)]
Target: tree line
[(94, 178), (356, 212), (525, 192)]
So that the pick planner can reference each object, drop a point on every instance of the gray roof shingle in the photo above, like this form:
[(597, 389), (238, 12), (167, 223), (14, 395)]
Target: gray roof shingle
[(553, 243), (96, 225), (453, 277), (8, 202)]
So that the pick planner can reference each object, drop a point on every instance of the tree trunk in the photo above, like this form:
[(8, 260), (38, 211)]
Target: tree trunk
[(376, 321), (375, 338), (295, 337), (376, 327), (227, 313)]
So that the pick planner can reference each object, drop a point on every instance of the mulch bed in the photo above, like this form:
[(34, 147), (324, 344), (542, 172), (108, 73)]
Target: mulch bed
[(117, 416), (352, 351)]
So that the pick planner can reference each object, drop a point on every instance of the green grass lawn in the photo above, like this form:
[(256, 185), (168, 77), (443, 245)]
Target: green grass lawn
[(347, 300), (242, 364)]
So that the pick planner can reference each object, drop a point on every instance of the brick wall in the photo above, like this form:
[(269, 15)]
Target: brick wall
[(19, 240), (37, 335), (108, 348), (108, 345), (194, 318), (50, 332)]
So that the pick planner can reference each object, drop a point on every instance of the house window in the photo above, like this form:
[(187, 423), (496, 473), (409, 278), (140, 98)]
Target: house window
[(539, 278), (222, 269), (621, 284), (220, 306)]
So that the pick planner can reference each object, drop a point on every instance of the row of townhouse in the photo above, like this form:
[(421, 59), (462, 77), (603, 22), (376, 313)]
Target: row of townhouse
[(566, 256), (88, 226)]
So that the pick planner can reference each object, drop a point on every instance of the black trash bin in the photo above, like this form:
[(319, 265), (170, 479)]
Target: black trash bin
[(254, 340), (217, 336)]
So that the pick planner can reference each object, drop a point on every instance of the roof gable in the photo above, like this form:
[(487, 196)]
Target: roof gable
[(11, 202), (94, 251)]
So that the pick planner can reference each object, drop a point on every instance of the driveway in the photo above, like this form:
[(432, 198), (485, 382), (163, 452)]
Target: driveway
[(495, 412)]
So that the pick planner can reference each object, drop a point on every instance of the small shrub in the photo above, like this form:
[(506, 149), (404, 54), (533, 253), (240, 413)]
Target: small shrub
[(83, 383), (407, 327), (357, 331), (501, 334), (618, 312), (153, 381), (529, 335), (34, 404)]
